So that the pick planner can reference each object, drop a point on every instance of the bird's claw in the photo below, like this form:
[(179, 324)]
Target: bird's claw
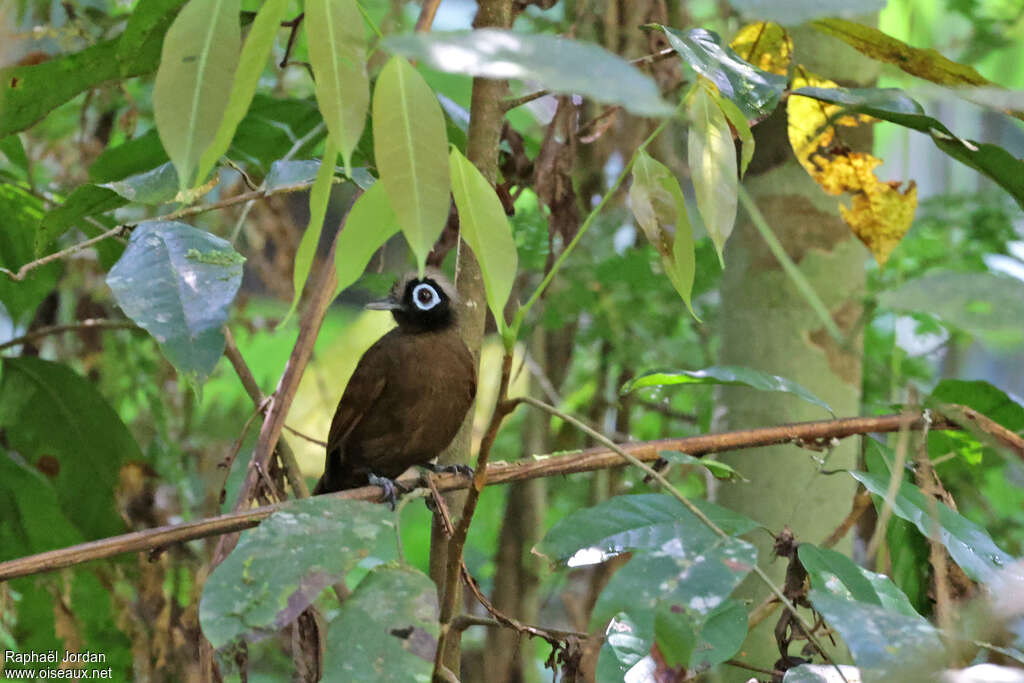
[(464, 470), (390, 486)]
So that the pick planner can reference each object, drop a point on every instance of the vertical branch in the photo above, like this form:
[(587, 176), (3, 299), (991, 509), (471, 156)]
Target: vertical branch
[(485, 123)]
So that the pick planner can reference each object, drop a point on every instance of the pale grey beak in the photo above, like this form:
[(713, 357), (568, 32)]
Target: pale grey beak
[(384, 305)]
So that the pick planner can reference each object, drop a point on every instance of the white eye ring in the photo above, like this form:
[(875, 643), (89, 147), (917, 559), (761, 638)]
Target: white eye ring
[(425, 303)]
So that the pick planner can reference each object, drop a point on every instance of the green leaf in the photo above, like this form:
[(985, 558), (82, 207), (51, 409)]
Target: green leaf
[(882, 642), (725, 374), (891, 104), (712, 159), (793, 12), (757, 93), (251, 63), (178, 283), (134, 156), (285, 173), (627, 644), (280, 567), (143, 38), (153, 187), (721, 635), (411, 148), (194, 82), (319, 196), (742, 126), (484, 226), (636, 522), (387, 630), (718, 469), (987, 400), (659, 208), (49, 410), (369, 224), (988, 305), (835, 573), (12, 149), (550, 62), (21, 214), (969, 545), (31, 519), (337, 53), (83, 202)]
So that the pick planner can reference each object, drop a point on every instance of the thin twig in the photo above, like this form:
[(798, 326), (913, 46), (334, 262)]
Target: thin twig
[(498, 473), (23, 272), (427, 12), (87, 324)]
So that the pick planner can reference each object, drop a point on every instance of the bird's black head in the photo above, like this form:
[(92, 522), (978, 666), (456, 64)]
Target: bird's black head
[(421, 304)]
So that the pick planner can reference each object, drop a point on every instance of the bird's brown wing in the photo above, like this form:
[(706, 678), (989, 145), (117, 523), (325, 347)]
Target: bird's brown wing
[(363, 390)]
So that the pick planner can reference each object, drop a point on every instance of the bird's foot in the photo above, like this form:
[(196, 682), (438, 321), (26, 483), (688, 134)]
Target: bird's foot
[(390, 486), (464, 470)]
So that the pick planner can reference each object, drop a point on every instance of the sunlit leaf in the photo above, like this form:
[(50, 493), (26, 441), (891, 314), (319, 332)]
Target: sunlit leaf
[(369, 224), (319, 196), (386, 630), (754, 91), (193, 84), (725, 374), (743, 132), (251, 63), (626, 648), (880, 213), (337, 53), (989, 305), (551, 62), (280, 567), (177, 283), (893, 105), (712, 159), (660, 209), (766, 45), (484, 226), (928, 64), (411, 150)]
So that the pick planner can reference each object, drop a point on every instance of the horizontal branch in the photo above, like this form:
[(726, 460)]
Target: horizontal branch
[(816, 434)]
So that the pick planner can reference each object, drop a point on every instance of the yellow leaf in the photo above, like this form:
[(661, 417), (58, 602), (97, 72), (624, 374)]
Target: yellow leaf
[(879, 213), (766, 45)]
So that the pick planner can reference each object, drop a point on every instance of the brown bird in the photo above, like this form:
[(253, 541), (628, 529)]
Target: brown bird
[(409, 393)]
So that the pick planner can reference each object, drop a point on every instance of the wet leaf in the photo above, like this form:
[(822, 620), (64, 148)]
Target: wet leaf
[(755, 92), (178, 282)]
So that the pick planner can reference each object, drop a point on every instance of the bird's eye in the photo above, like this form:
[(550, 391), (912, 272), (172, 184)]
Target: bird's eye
[(425, 297)]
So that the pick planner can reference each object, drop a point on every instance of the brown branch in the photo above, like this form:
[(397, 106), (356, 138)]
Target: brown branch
[(497, 473), (284, 451), (971, 419), (318, 293), (427, 12), (90, 324)]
